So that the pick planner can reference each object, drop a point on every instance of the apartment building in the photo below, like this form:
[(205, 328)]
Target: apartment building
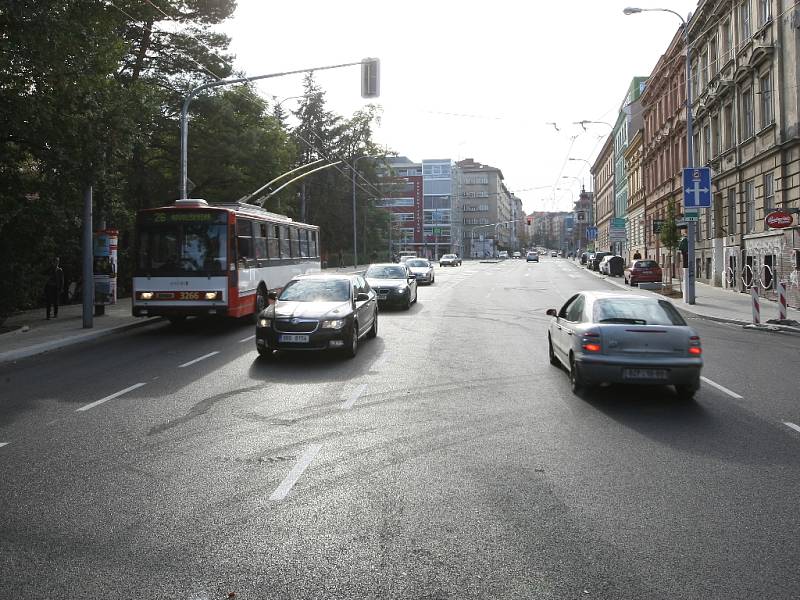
[(402, 188), (663, 153), (635, 220), (487, 209), (602, 172), (746, 109), (437, 191)]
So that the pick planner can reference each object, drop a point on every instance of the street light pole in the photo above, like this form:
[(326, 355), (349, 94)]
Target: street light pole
[(690, 225)]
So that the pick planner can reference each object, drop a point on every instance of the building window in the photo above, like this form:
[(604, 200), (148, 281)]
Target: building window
[(750, 206), (727, 40), (716, 147), (695, 86), (729, 130), (748, 125), (732, 211), (713, 58), (764, 12), (696, 149), (706, 143), (769, 192), (767, 115), (704, 69), (744, 22)]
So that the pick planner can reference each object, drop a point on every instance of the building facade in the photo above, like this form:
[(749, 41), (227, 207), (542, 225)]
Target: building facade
[(402, 186), (635, 221), (437, 191), (602, 172), (487, 208)]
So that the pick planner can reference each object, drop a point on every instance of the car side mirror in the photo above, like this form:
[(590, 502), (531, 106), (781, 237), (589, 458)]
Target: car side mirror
[(272, 295), (412, 276), (362, 297), (551, 312)]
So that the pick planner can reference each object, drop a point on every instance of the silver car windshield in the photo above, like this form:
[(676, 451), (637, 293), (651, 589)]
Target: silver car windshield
[(316, 290), (418, 263), (636, 311)]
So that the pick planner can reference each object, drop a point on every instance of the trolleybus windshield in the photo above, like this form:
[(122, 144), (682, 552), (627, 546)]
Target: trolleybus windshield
[(182, 242)]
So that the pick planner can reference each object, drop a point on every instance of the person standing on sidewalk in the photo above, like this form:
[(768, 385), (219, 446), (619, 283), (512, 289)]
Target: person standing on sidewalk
[(53, 286)]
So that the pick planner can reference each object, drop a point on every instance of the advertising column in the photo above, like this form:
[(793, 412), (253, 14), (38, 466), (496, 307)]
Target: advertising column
[(105, 269)]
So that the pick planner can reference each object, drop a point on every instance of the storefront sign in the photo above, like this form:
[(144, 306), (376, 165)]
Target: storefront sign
[(779, 219)]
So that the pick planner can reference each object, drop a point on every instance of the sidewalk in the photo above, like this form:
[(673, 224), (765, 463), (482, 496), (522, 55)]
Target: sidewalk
[(716, 303), (32, 334)]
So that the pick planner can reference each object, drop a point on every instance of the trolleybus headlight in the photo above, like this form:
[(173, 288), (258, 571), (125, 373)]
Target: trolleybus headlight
[(212, 295), (145, 295)]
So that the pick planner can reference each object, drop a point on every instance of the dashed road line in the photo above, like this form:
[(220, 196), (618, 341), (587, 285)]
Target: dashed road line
[(197, 360), (792, 425), (247, 339), (286, 485), (111, 397), (351, 398), (721, 388), (4, 444)]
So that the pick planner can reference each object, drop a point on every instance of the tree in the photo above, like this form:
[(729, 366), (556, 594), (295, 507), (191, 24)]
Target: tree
[(670, 236)]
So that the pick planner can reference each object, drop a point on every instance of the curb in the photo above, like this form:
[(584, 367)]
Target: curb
[(682, 308), (14, 355)]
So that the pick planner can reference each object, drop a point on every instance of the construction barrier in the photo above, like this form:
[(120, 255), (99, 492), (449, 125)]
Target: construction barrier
[(756, 305)]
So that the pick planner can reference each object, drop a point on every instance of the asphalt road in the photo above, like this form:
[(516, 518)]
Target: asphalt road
[(448, 460)]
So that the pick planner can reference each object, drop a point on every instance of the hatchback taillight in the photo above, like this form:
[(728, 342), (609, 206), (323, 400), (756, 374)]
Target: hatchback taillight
[(590, 342), (694, 346)]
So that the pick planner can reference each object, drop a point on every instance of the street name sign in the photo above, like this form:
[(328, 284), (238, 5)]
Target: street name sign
[(697, 188)]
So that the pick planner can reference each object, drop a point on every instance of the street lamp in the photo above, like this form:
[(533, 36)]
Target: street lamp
[(355, 228), (690, 274)]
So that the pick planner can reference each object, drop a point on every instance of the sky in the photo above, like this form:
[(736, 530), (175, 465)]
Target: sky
[(501, 82)]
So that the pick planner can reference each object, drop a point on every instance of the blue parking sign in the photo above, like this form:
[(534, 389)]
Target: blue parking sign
[(697, 187)]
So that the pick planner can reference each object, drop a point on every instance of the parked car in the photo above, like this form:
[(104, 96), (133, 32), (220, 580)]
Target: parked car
[(598, 256), (553, 253), (422, 270), (589, 260), (584, 257), (318, 312), (604, 263), (606, 337), (503, 254), (642, 271), (616, 266), (395, 284), (532, 256), (450, 260)]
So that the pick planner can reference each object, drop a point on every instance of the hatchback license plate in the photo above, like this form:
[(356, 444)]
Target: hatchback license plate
[(382, 296), (294, 339), (644, 374)]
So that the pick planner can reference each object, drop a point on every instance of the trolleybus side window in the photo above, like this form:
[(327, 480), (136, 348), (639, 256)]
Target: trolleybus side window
[(260, 243), (304, 243), (273, 241), (312, 242), (244, 243), (293, 236), (285, 252)]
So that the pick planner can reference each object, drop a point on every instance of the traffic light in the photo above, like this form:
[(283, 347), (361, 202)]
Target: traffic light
[(370, 78)]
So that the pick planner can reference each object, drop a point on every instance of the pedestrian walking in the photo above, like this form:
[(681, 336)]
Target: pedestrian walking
[(53, 286), (636, 255)]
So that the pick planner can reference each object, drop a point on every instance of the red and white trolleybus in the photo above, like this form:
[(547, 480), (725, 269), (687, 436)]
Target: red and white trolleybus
[(196, 258)]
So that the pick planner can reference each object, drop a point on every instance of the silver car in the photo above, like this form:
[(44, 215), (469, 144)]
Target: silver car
[(422, 270), (606, 337)]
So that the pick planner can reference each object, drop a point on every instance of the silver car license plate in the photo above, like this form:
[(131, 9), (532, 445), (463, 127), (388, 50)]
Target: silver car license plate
[(654, 374), (293, 339)]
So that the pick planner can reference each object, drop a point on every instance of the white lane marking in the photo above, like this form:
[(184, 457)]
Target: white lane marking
[(247, 339), (4, 444), (353, 396), (197, 360), (792, 425), (527, 274), (302, 464), (111, 397), (721, 388)]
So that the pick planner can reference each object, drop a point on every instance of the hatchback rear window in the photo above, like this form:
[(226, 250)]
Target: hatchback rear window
[(636, 311), (646, 264)]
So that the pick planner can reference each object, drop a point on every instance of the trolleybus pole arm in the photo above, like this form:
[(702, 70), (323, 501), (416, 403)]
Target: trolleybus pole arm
[(213, 84), (268, 196), (245, 199)]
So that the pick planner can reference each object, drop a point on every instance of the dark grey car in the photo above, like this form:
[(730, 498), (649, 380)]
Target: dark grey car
[(395, 284)]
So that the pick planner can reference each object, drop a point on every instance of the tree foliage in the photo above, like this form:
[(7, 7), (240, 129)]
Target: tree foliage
[(90, 95)]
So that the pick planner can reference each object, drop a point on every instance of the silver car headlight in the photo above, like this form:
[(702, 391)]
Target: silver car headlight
[(332, 324)]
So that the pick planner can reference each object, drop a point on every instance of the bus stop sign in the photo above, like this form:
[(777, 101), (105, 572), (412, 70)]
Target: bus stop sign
[(697, 187)]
